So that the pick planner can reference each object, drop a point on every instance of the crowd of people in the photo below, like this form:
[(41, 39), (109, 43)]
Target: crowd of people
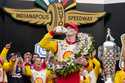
[(13, 67), (31, 68)]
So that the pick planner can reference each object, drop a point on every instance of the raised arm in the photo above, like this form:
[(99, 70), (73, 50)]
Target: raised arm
[(6, 65), (5, 51), (48, 43)]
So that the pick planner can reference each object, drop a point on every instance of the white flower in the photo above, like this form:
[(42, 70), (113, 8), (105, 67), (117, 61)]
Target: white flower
[(85, 42), (58, 66)]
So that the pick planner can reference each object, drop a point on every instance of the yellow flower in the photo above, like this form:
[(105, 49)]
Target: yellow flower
[(67, 54)]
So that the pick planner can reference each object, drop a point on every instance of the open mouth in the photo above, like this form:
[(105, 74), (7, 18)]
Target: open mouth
[(39, 64)]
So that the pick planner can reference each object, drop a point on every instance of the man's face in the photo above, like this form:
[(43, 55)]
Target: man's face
[(19, 64), (38, 62), (70, 31), (28, 56), (34, 57), (13, 57)]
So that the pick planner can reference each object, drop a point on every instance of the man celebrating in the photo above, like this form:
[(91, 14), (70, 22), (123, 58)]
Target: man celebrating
[(63, 48)]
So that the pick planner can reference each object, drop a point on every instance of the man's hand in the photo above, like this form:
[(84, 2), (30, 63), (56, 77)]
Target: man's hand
[(82, 60), (93, 54), (27, 61), (8, 46)]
